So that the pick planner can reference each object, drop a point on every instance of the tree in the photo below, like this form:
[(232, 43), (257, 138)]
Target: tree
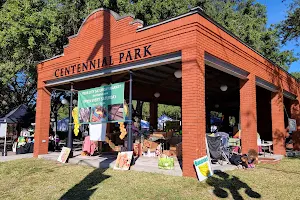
[(296, 74), (247, 19), (171, 111), (29, 33), (290, 27)]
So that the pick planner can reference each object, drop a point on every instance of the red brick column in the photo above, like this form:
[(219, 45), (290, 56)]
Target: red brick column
[(193, 108), (278, 129), (248, 114), (153, 114), (42, 122)]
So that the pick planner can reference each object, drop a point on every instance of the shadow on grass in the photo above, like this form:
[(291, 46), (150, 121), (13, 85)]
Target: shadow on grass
[(233, 184), (87, 186)]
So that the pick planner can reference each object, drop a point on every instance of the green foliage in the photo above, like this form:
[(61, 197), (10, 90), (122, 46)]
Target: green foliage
[(296, 74), (171, 111), (63, 112), (290, 27), (29, 32), (247, 19), (146, 111)]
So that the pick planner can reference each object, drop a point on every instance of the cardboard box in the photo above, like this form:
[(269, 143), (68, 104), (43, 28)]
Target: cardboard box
[(159, 134), (169, 153), (150, 144), (137, 149), (173, 148), (118, 148)]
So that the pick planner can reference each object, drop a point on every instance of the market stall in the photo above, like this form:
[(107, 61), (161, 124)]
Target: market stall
[(9, 124)]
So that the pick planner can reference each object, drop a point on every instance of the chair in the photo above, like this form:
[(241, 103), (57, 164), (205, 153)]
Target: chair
[(235, 145), (217, 150)]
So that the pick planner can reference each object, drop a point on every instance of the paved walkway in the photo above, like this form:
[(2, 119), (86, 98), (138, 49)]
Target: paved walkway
[(103, 161), (145, 164), (150, 164), (13, 156)]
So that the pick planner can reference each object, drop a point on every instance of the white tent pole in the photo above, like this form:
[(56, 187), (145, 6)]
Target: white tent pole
[(4, 149)]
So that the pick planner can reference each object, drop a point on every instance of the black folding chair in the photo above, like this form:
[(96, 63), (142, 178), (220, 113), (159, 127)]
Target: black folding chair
[(217, 151)]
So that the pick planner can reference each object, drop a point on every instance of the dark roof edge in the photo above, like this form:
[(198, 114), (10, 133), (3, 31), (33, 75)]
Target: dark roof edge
[(200, 11)]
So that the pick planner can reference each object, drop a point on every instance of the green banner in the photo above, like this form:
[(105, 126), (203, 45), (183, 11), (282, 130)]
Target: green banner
[(102, 104)]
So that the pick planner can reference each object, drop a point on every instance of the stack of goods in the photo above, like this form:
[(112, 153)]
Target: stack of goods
[(171, 152), (137, 149), (159, 135), (152, 146)]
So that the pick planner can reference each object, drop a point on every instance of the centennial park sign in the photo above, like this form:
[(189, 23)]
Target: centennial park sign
[(90, 65)]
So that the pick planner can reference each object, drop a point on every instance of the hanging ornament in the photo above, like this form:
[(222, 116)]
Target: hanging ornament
[(126, 109), (123, 130), (75, 120)]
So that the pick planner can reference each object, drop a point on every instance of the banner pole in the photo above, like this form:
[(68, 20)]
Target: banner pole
[(130, 114), (70, 134)]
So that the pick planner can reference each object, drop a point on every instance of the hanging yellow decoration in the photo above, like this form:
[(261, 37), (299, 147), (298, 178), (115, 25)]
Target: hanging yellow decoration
[(125, 108), (123, 130), (75, 120)]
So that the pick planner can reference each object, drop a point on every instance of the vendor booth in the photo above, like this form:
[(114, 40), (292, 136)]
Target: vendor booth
[(10, 127), (188, 61)]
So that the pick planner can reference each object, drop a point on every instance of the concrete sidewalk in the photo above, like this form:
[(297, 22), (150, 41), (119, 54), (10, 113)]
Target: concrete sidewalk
[(13, 156), (103, 161), (144, 164)]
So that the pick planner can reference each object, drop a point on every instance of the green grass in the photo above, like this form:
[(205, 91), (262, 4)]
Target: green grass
[(42, 179)]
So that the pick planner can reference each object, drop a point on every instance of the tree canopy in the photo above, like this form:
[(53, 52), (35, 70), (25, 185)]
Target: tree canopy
[(290, 27), (33, 30)]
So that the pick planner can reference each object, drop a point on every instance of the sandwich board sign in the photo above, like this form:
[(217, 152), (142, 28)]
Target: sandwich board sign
[(203, 168), (64, 154)]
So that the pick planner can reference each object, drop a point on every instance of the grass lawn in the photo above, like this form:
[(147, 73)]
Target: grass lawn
[(42, 179)]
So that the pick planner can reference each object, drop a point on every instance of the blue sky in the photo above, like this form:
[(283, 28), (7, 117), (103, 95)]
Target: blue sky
[(276, 11)]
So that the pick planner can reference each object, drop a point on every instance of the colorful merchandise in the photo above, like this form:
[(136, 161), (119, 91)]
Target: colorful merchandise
[(88, 146), (21, 141), (166, 162)]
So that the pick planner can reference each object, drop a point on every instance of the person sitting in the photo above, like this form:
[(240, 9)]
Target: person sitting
[(246, 160)]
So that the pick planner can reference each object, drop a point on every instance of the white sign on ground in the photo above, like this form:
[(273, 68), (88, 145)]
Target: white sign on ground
[(292, 125), (64, 154)]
